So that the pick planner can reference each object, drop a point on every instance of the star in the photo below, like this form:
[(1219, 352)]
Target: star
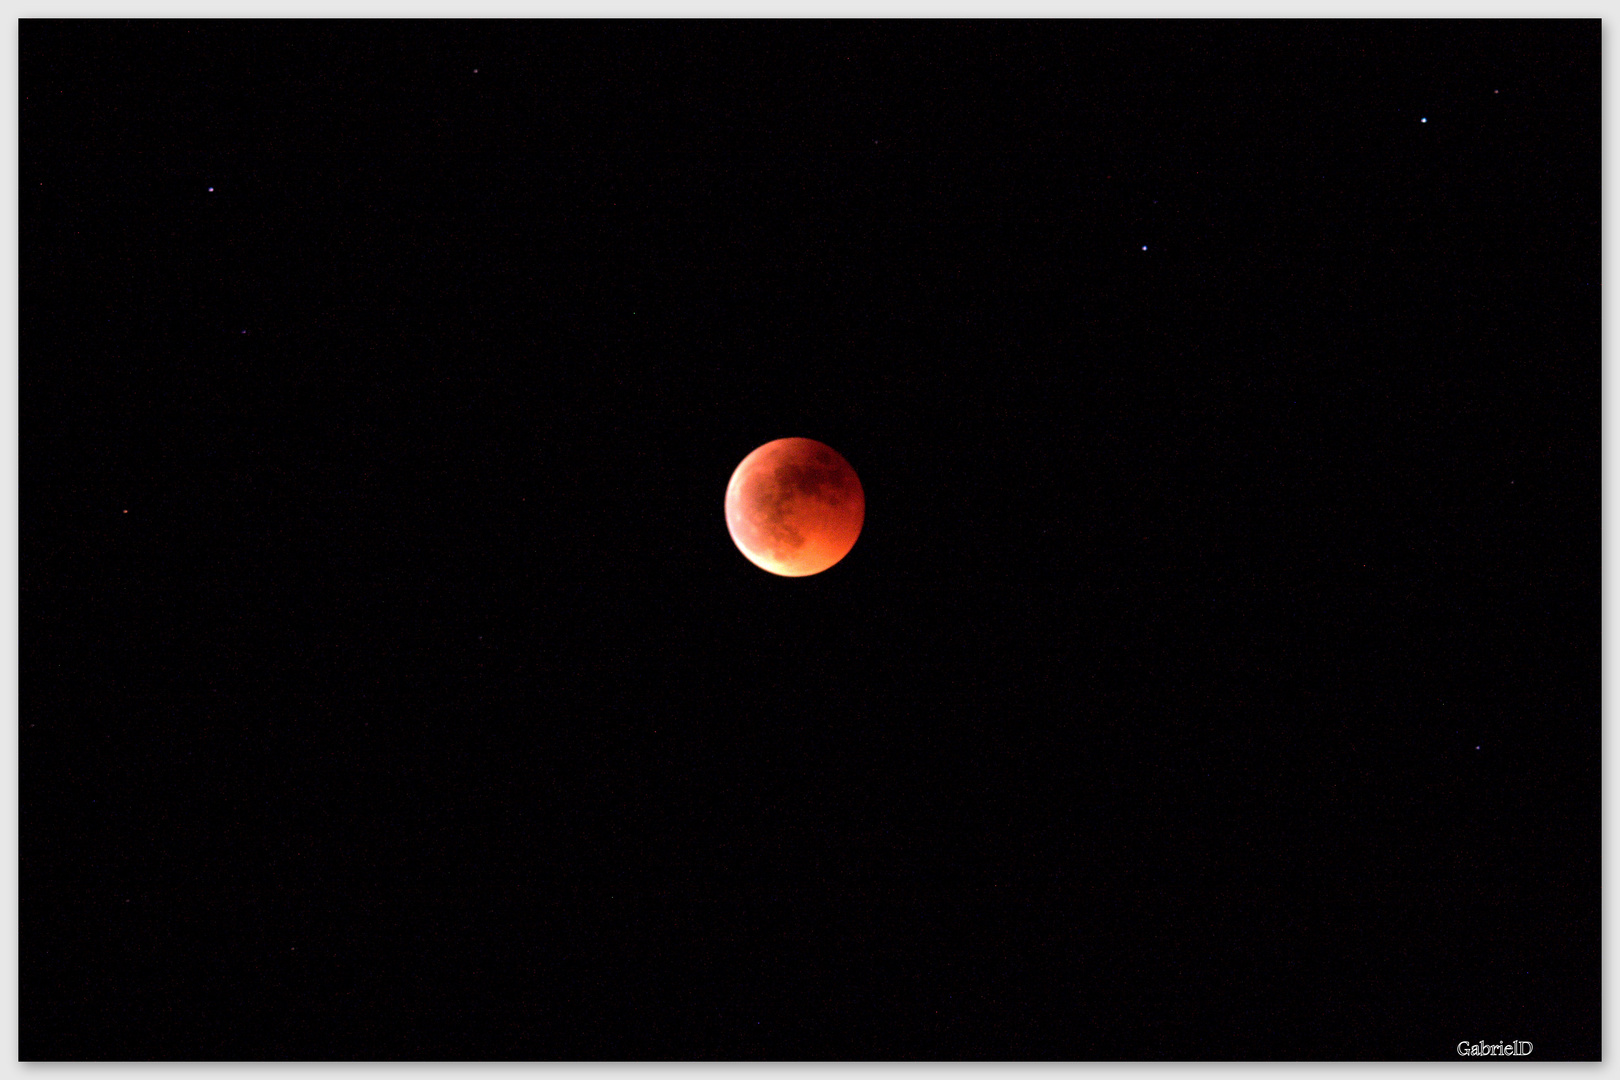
[(1425, 120), (210, 189)]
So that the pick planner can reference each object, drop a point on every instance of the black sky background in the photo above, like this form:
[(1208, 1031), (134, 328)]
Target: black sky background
[(1216, 675)]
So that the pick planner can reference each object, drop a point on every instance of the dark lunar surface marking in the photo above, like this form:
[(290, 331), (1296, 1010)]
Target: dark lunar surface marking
[(826, 482)]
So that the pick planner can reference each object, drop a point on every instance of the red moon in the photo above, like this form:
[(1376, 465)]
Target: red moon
[(794, 507)]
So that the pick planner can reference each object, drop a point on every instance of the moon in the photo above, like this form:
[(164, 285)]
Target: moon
[(794, 507)]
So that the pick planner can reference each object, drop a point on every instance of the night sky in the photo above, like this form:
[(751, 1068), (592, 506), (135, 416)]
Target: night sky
[(1216, 675)]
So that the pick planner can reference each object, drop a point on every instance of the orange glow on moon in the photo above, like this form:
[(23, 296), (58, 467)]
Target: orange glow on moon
[(794, 507)]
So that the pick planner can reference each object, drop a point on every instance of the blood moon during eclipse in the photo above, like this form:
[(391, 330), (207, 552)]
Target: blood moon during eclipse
[(794, 507)]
